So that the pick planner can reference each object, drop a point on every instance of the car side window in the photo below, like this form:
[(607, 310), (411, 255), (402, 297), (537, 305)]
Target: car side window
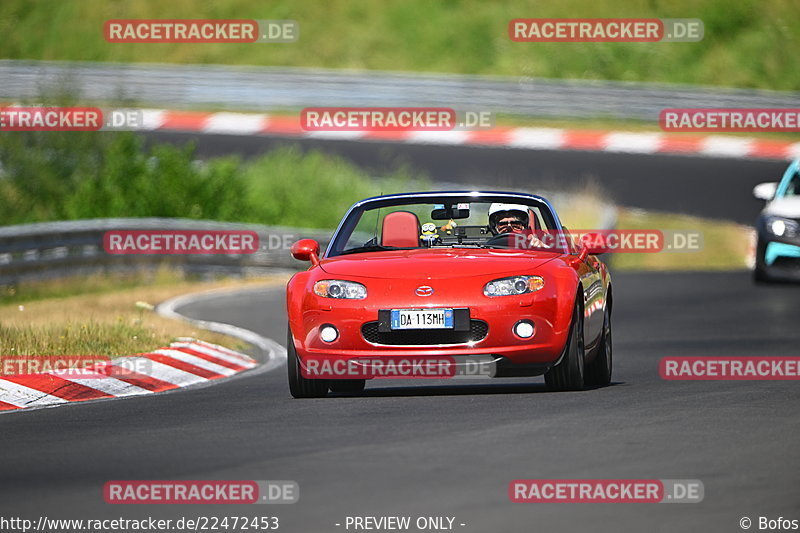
[(542, 223)]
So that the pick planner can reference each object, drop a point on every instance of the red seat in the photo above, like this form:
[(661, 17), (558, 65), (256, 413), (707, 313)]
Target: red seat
[(400, 229)]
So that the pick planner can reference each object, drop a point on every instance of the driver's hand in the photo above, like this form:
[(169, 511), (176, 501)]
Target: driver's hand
[(536, 242)]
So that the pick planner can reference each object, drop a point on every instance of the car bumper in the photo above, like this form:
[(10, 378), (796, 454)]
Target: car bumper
[(779, 257), (544, 348)]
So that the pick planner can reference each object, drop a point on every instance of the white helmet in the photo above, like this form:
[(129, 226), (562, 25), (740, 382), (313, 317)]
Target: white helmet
[(517, 209)]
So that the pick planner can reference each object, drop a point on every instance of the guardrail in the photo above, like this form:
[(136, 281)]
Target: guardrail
[(60, 249), (49, 250), (272, 88)]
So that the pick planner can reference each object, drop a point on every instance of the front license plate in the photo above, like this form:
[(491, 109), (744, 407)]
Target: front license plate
[(422, 319)]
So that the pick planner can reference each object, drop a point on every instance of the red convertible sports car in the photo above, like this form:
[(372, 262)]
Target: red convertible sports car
[(438, 284)]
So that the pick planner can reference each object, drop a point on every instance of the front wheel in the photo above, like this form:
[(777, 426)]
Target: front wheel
[(299, 386), (760, 274), (567, 375)]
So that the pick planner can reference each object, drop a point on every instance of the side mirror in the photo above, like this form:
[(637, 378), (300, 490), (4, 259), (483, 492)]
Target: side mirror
[(575, 260), (594, 242), (306, 250), (765, 191)]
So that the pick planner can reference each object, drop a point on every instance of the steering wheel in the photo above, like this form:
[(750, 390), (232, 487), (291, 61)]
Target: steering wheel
[(509, 240)]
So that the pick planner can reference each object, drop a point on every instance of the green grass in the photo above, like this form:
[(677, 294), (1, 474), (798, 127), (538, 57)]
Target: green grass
[(748, 43), (81, 338)]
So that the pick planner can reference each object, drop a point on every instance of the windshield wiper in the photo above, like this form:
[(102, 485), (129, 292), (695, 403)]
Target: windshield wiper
[(371, 248)]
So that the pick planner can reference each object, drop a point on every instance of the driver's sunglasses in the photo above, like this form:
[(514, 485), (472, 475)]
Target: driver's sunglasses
[(516, 224)]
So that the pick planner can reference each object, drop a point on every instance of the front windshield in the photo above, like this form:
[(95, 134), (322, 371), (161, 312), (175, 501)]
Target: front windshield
[(449, 223), (793, 187)]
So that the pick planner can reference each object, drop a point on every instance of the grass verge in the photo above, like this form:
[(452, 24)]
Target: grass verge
[(726, 245), (106, 322)]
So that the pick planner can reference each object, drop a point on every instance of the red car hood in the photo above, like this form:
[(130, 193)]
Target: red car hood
[(436, 264)]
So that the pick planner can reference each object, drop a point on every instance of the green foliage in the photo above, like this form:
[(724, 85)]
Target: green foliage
[(748, 43), (313, 189), (47, 176)]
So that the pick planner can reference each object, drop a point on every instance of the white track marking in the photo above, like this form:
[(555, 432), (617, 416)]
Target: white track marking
[(100, 382), (197, 361), (236, 360), (637, 143), (236, 123), (438, 137), (23, 396), (725, 146), (162, 372), (537, 138)]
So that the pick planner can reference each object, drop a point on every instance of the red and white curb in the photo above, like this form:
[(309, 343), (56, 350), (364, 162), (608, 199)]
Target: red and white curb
[(516, 138), (183, 363), (186, 362)]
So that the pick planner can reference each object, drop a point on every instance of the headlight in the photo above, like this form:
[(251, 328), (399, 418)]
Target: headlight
[(334, 288), (513, 286), (782, 226)]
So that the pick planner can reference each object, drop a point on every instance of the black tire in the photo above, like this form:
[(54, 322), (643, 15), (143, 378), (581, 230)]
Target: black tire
[(760, 275), (761, 271), (299, 386), (567, 375), (598, 372), (347, 386)]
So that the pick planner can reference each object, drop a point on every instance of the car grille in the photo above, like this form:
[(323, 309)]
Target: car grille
[(421, 337)]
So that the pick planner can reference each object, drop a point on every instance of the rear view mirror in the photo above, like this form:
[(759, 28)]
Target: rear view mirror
[(450, 212), (765, 191)]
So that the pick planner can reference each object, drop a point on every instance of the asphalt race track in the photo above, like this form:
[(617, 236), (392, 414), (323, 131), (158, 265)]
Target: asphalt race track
[(428, 448), (708, 187), (435, 449)]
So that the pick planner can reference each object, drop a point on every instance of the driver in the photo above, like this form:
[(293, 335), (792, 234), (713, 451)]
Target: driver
[(513, 219), (508, 218)]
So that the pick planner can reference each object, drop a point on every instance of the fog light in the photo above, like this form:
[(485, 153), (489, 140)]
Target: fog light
[(328, 333), (524, 329)]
